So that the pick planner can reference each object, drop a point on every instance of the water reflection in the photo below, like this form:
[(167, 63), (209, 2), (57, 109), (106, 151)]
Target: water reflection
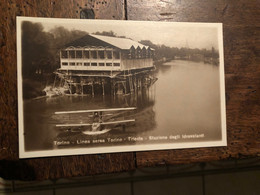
[(40, 119), (188, 100)]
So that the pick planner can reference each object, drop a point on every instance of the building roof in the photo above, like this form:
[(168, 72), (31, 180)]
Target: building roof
[(121, 43), (106, 41)]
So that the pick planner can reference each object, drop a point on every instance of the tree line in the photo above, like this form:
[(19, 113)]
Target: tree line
[(163, 51), (40, 53), (40, 49)]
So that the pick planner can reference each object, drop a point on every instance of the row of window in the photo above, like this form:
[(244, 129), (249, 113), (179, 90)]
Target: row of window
[(89, 64), (136, 54), (90, 54)]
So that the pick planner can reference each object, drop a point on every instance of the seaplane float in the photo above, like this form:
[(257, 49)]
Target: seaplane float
[(99, 124)]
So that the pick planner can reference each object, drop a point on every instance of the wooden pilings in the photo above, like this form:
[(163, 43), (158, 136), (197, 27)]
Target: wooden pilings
[(92, 87), (127, 82), (103, 88)]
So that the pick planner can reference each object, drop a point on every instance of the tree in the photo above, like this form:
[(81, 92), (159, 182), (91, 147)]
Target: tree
[(35, 49), (148, 43), (106, 33), (40, 49)]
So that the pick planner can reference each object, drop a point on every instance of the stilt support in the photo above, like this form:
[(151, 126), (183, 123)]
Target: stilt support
[(92, 85), (103, 87)]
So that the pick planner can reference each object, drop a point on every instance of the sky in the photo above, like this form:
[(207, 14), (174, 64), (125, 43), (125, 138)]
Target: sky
[(172, 34)]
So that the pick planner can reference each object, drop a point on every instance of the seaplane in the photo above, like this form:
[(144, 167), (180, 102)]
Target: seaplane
[(99, 124)]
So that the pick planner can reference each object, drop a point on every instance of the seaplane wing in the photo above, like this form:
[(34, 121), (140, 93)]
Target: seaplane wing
[(118, 122), (74, 125), (97, 110), (102, 123)]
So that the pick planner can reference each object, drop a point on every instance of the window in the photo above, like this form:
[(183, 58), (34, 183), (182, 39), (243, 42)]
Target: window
[(149, 53), (71, 54), (79, 64), (64, 54), (101, 64), (93, 54), (108, 64), (152, 53), (86, 64), (64, 63), (138, 53), (93, 64), (101, 54), (86, 54), (109, 54), (125, 55), (132, 53), (78, 54), (72, 63), (143, 54), (116, 64), (116, 54)]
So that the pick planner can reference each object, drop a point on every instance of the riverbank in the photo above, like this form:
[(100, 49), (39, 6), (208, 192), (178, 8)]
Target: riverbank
[(32, 89)]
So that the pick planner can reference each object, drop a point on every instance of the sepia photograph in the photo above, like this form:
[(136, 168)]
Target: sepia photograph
[(105, 86)]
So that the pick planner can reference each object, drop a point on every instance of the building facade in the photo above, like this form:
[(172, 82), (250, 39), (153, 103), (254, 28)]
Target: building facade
[(96, 59)]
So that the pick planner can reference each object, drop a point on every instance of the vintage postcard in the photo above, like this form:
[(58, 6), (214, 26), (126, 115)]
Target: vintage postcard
[(104, 86)]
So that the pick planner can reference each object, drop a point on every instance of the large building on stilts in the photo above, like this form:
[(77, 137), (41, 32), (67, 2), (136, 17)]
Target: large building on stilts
[(102, 64)]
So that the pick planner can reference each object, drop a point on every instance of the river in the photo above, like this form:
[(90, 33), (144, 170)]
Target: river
[(184, 101)]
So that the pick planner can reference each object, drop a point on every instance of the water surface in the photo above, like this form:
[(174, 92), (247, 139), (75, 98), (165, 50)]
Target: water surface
[(185, 100)]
